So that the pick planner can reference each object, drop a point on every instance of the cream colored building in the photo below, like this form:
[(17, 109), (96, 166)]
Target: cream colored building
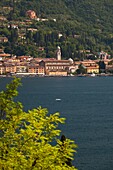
[(91, 66), (2, 68), (58, 66), (57, 73), (10, 68), (93, 69), (21, 67)]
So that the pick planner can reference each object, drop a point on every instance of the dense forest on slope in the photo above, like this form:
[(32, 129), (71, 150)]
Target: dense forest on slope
[(84, 24)]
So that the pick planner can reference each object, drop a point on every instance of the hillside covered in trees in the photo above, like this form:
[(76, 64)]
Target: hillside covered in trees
[(83, 24)]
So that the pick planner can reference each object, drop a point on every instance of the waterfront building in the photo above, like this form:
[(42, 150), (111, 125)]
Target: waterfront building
[(90, 65), (109, 69), (58, 66), (21, 67), (93, 69), (9, 68), (36, 68), (73, 68), (33, 68), (2, 68)]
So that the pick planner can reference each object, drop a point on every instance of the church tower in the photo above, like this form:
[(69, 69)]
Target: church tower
[(58, 53)]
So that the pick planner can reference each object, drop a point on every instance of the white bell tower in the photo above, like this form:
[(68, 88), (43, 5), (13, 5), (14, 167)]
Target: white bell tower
[(58, 53)]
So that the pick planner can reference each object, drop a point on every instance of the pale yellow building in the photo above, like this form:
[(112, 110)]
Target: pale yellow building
[(91, 66), (93, 69), (57, 73), (10, 68)]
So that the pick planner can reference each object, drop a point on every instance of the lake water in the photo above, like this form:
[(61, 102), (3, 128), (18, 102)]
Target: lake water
[(87, 105)]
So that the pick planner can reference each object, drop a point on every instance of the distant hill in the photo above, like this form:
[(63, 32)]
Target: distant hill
[(92, 19), (93, 13)]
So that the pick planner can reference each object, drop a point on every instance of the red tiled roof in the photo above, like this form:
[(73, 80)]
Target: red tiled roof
[(57, 61), (22, 57), (5, 55)]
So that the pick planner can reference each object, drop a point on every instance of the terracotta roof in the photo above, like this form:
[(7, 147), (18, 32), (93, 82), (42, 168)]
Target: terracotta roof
[(92, 67), (22, 57), (49, 59), (88, 61), (9, 64), (5, 55), (57, 61)]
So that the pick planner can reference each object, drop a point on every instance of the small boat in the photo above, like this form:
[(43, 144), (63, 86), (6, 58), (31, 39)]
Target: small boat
[(58, 99), (93, 75)]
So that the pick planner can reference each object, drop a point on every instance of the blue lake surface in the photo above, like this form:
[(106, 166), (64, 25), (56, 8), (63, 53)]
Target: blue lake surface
[(87, 105)]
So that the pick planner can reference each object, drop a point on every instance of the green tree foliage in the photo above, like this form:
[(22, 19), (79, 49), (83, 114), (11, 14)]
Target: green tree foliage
[(14, 35), (26, 138), (81, 69)]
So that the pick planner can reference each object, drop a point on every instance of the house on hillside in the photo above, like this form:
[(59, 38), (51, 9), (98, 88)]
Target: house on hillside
[(31, 14), (3, 39), (2, 18), (104, 55), (4, 56)]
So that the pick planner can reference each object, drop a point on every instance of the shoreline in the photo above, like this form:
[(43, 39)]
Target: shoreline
[(79, 75)]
